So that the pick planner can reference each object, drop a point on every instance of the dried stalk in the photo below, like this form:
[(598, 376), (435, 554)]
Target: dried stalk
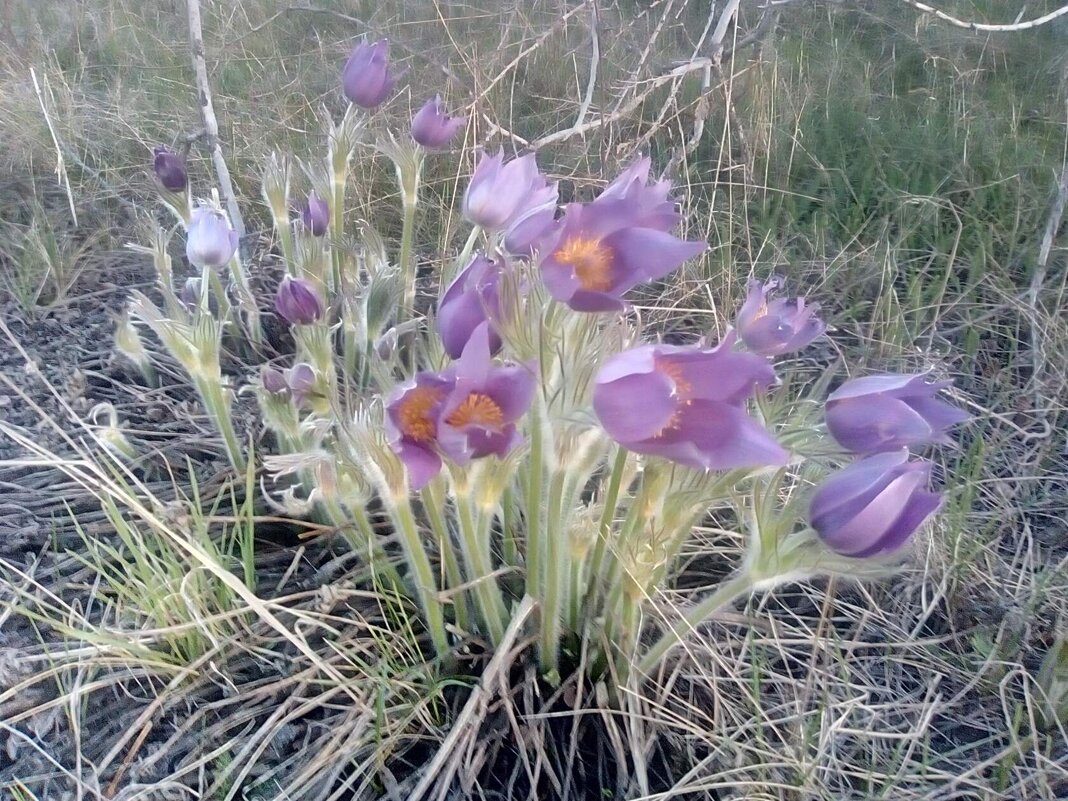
[(211, 124)]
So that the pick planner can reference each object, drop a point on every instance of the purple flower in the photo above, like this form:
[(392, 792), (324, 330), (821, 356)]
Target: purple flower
[(298, 302), (432, 127), (273, 380), (779, 326), (300, 378), (471, 300), (887, 412), (873, 506), (501, 194), (412, 413), (478, 415), (209, 240), (170, 169), (366, 77), (602, 249), (687, 404), (315, 215)]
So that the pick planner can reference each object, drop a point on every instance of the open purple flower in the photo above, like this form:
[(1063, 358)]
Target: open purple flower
[(432, 127), (209, 239), (315, 215), (873, 506), (471, 300), (502, 194), (412, 414), (479, 414), (887, 412), (687, 404), (366, 78), (601, 250), (298, 302), (170, 169), (772, 328)]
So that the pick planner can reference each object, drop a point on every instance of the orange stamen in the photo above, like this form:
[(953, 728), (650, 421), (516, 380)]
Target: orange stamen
[(477, 409), (591, 261), (415, 421)]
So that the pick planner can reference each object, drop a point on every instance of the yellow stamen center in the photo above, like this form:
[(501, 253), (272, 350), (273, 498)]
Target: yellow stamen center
[(591, 261), (415, 421), (477, 409), (681, 393)]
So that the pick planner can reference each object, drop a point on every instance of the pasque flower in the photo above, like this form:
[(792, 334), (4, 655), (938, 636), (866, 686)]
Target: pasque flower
[(470, 300), (687, 404), (479, 414), (502, 194), (170, 169), (273, 380), (298, 302), (887, 412), (315, 215), (873, 506), (209, 239), (779, 326), (432, 127), (366, 78), (601, 250), (189, 294), (412, 414)]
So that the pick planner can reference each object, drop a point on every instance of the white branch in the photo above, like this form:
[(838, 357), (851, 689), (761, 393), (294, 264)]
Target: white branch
[(985, 27), (211, 124)]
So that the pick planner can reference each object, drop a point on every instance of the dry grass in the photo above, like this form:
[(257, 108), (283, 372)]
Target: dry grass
[(899, 172)]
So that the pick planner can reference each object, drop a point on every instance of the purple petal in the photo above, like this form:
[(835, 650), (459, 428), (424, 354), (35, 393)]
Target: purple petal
[(715, 436), (845, 492), (875, 423), (635, 407), (512, 389), (865, 530), (421, 463), (920, 506), (645, 254), (720, 375)]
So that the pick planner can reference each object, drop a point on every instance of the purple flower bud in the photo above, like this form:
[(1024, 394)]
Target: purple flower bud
[(273, 380), (412, 413), (366, 77), (887, 412), (873, 506), (170, 169), (779, 326), (190, 293), (315, 215), (209, 239), (501, 194), (687, 404), (471, 300), (432, 128), (300, 378), (298, 302), (478, 417)]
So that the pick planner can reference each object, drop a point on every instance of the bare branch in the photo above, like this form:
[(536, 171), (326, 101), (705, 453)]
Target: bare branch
[(595, 60), (211, 124), (985, 27)]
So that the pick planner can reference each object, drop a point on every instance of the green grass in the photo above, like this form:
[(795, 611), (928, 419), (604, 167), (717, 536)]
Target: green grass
[(896, 170)]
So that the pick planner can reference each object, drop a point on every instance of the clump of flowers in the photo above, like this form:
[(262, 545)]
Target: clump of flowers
[(533, 440)]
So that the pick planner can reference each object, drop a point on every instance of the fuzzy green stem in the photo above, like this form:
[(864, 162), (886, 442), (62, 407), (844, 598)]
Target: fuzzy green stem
[(210, 283), (509, 547), (247, 302), (604, 529), (434, 504), (555, 567), (487, 593), (628, 636), (740, 584), (422, 572), (409, 181), (376, 556), (218, 409), (533, 502)]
